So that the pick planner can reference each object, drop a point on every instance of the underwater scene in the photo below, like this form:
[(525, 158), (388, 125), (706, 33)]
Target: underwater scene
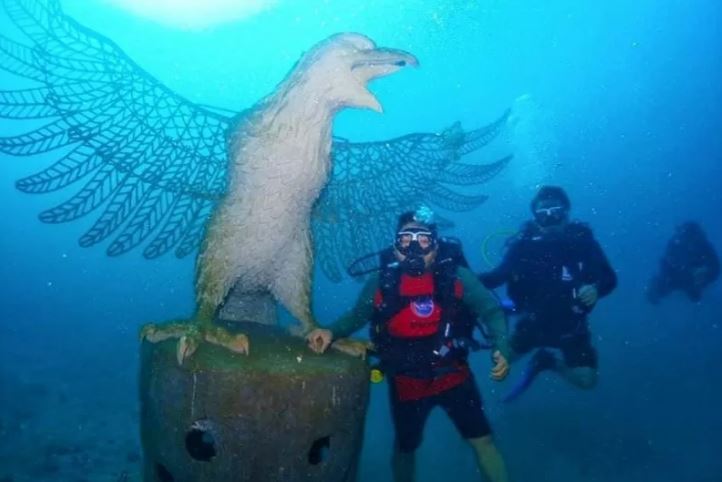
[(328, 240)]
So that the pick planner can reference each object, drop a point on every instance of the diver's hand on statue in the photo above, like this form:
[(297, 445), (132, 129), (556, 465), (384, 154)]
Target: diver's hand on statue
[(319, 339), (588, 295), (501, 366)]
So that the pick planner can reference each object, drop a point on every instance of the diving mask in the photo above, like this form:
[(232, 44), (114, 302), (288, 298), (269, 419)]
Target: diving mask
[(418, 240), (550, 215), (414, 243)]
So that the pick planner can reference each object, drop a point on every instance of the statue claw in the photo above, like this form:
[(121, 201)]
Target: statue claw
[(355, 348), (190, 335), (187, 346), (237, 342), (154, 333), (148, 332)]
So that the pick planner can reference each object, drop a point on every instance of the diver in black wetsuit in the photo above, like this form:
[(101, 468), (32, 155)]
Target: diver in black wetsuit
[(555, 272), (689, 264)]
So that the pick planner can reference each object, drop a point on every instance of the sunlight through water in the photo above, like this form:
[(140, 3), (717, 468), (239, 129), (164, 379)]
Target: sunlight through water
[(194, 14)]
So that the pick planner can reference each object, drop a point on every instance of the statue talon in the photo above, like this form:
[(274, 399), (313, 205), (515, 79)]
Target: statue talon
[(156, 333), (187, 334), (236, 342), (187, 346), (354, 348), (148, 332), (190, 335)]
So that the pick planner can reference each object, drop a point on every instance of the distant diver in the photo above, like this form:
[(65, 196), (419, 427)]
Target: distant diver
[(555, 271), (689, 264), (177, 175)]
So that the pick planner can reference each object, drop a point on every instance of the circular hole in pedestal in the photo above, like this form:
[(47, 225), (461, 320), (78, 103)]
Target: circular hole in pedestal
[(318, 453), (200, 441)]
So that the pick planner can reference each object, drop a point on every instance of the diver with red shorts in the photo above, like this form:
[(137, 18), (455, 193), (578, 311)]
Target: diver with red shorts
[(422, 307)]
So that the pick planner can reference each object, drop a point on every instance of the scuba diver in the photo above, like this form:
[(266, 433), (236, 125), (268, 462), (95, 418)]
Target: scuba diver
[(554, 271), (419, 305), (689, 264)]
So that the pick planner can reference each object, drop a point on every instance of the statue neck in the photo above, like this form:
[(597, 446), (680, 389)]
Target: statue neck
[(295, 111)]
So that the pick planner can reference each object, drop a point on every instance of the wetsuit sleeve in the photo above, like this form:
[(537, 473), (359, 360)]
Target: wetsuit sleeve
[(501, 274), (359, 315), (484, 305), (601, 272)]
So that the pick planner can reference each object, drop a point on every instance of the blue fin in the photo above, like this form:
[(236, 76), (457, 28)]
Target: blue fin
[(540, 361)]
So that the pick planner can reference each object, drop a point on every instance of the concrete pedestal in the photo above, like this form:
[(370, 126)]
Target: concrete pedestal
[(280, 414)]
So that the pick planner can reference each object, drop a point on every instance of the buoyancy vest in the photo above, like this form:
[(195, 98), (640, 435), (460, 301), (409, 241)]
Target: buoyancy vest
[(421, 327), (549, 269)]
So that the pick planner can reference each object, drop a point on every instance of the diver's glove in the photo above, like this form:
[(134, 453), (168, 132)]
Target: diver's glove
[(501, 366), (588, 294)]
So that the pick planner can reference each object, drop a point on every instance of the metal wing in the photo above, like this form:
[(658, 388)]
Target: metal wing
[(153, 161), (156, 163), (374, 182)]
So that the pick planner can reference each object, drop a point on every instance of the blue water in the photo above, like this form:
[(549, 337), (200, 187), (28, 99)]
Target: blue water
[(618, 102)]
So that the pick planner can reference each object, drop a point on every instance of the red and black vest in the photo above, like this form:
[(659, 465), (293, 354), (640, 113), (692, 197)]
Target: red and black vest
[(417, 320), (418, 312)]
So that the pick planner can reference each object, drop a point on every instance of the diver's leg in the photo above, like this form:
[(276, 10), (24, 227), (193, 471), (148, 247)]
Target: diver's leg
[(403, 465), (579, 366), (526, 336), (292, 286), (464, 407), (409, 418), (489, 459)]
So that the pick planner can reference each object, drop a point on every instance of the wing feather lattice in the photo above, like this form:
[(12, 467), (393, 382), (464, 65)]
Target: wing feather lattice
[(374, 182), (154, 164), (143, 151)]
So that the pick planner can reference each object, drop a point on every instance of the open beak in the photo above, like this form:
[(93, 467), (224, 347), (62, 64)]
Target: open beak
[(379, 62), (375, 63)]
